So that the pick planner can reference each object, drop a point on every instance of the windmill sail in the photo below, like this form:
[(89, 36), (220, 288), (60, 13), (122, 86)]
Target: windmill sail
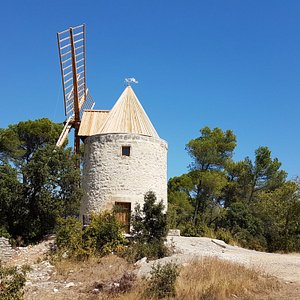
[(64, 133), (71, 45), (72, 54)]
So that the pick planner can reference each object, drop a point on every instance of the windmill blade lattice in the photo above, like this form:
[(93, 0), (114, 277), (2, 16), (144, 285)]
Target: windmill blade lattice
[(72, 53)]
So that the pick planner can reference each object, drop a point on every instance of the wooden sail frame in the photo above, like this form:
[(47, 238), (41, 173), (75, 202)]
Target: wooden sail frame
[(72, 56)]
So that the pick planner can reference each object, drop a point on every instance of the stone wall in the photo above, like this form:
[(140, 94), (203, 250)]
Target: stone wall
[(6, 252), (110, 177)]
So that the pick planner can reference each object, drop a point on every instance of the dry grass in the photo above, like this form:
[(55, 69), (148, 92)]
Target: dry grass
[(84, 275), (202, 279), (105, 268), (214, 279)]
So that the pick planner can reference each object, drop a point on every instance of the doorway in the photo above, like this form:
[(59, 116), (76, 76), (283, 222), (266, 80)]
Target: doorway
[(123, 210)]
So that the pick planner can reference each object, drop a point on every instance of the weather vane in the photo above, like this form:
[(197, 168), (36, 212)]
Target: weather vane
[(130, 81)]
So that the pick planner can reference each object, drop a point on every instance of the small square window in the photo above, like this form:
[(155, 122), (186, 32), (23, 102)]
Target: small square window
[(126, 150)]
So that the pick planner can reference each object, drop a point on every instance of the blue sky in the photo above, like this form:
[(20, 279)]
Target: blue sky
[(228, 64)]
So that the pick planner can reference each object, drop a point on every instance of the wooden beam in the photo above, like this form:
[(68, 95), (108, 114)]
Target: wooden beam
[(75, 87)]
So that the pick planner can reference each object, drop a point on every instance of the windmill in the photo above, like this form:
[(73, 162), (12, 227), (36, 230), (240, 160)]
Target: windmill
[(72, 55)]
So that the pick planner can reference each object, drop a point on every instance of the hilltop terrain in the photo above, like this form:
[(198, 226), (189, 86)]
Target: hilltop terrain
[(77, 281)]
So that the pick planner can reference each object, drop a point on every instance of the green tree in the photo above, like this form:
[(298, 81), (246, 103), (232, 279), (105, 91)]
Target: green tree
[(259, 202), (40, 181), (247, 178), (279, 211), (149, 229), (180, 208), (10, 198), (210, 153), (249, 201), (19, 141), (149, 223)]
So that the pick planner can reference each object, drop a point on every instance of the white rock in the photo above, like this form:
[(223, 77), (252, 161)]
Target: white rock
[(141, 261), (70, 284)]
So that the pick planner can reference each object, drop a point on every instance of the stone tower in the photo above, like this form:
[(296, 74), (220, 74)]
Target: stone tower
[(123, 157)]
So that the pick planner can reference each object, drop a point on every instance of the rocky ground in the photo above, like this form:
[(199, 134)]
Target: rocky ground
[(283, 266), (47, 282)]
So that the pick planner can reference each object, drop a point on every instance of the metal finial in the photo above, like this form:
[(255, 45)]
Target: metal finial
[(130, 81)]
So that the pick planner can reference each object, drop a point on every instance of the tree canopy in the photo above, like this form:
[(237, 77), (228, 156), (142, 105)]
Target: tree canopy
[(38, 181), (249, 202)]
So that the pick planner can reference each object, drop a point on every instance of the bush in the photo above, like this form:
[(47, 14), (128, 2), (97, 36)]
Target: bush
[(162, 281), (104, 233), (4, 232), (224, 235), (137, 251), (201, 229), (247, 240), (12, 282), (102, 236), (149, 230), (189, 229), (69, 234), (150, 223)]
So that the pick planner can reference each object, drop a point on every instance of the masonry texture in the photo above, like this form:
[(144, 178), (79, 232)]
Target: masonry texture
[(6, 251), (110, 177)]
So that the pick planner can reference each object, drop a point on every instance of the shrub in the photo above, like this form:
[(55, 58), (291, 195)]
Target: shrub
[(69, 234), (4, 232), (139, 250), (188, 229), (225, 236), (104, 233), (12, 282), (162, 281), (150, 223), (201, 229), (102, 236), (149, 230)]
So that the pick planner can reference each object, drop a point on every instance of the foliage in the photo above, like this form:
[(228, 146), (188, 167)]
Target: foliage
[(38, 181), (69, 239), (150, 223), (12, 281), (212, 149), (180, 205), (280, 212), (189, 229), (149, 230), (138, 250), (210, 152), (105, 233), (248, 178), (102, 236), (162, 281), (249, 202)]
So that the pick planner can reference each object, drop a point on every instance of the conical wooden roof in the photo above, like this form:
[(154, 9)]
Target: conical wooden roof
[(128, 116)]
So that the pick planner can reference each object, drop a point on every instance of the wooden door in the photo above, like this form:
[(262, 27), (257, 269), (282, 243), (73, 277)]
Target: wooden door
[(123, 210)]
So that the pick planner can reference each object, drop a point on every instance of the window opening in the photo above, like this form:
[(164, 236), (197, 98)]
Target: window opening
[(125, 150)]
